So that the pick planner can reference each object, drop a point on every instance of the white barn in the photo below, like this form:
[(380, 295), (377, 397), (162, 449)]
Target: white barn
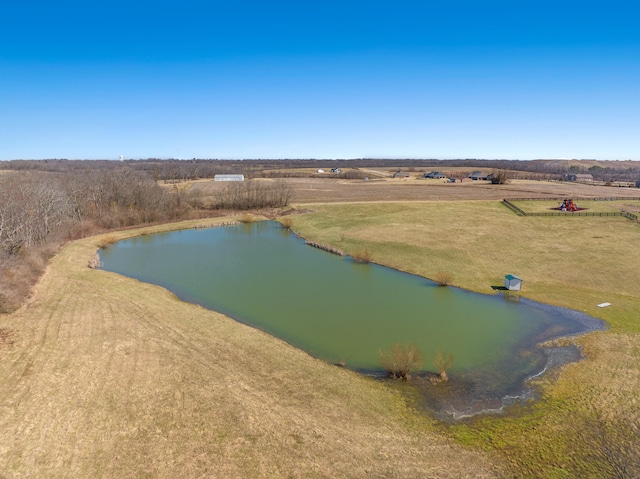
[(228, 178)]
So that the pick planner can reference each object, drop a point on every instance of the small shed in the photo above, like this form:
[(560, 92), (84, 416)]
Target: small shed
[(512, 282)]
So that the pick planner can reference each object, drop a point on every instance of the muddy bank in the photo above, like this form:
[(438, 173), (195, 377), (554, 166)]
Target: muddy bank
[(470, 393)]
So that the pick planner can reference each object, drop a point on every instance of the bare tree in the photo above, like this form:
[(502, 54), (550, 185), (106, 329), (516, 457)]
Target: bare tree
[(401, 360)]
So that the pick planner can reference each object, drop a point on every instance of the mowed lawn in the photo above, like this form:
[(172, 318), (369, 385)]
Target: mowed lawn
[(587, 423), (102, 376)]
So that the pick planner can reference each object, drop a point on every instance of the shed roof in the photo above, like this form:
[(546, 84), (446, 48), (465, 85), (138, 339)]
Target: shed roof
[(228, 178)]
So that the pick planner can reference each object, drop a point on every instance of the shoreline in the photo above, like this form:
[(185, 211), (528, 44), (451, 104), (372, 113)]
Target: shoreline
[(460, 405)]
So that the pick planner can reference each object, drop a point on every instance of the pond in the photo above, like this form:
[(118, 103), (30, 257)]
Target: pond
[(346, 312)]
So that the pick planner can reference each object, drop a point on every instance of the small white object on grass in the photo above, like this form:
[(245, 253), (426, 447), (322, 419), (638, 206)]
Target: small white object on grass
[(604, 305)]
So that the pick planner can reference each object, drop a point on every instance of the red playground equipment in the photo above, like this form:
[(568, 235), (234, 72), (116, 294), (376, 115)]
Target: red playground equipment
[(568, 205)]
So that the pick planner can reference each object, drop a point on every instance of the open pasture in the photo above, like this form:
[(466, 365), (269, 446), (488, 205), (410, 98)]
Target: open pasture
[(331, 190)]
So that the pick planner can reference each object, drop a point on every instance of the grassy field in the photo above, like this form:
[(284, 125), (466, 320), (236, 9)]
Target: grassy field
[(586, 205), (104, 376), (586, 425)]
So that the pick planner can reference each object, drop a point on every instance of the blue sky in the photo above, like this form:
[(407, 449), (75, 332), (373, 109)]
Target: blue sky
[(320, 79)]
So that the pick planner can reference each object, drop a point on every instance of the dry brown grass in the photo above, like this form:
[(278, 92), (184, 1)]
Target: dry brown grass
[(106, 240), (362, 256), (247, 218), (109, 377), (325, 190), (286, 221), (443, 278)]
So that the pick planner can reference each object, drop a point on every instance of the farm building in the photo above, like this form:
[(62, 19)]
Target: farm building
[(228, 178), (578, 177), (401, 174), (477, 175), (335, 170), (512, 282), (434, 174)]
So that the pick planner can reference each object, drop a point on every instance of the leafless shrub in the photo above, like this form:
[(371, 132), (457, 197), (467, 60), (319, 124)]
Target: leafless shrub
[(362, 256), (94, 262), (286, 222), (401, 360), (255, 194), (443, 361), (106, 241), (443, 278), (500, 177), (247, 218)]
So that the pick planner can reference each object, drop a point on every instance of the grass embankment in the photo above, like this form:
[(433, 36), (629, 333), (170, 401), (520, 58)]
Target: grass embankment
[(586, 425), (102, 376)]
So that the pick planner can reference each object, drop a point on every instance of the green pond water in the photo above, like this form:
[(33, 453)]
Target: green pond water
[(341, 311)]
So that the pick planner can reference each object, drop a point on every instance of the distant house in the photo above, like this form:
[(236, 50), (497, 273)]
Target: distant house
[(228, 178), (578, 177), (434, 174), (477, 175), (401, 174)]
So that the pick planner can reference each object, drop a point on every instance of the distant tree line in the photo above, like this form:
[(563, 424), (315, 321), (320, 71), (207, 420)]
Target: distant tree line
[(172, 170)]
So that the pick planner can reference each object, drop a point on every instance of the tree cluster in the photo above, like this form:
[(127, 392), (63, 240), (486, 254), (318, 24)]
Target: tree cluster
[(256, 194), (39, 211)]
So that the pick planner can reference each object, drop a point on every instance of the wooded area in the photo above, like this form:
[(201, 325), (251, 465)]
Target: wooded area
[(42, 208)]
